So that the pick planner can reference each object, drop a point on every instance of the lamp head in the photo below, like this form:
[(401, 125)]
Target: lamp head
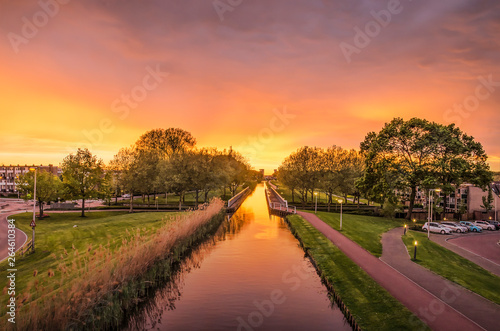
[(416, 242)]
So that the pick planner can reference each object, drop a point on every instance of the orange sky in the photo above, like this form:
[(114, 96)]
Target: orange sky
[(230, 82)]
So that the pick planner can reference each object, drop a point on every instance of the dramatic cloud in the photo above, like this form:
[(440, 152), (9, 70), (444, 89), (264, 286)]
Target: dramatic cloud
[(83, 73)]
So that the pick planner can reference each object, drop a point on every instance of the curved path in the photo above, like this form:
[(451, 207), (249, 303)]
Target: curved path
[(437, 314), (480, 248), (482, 311), (21, 237)]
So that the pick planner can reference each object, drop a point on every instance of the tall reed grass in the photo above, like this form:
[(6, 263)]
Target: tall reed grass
[(101, 284)]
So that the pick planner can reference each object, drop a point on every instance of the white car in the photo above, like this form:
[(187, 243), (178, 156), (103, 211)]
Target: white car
[(485, 225), (437, 228), (455, 227)]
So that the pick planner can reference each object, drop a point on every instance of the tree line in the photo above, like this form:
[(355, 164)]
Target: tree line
[(391, 164), (161, 161)]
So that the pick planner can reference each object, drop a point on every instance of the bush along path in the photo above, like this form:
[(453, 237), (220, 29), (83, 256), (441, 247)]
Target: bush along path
[(106, 283), (437, 314)]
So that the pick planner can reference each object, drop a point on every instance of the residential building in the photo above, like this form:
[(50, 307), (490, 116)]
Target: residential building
[(8, 175)]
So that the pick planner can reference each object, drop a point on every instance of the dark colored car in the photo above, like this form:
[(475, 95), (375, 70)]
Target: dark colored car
[(495, 223)]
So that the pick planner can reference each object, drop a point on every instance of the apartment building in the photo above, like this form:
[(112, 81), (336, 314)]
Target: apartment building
[(9, 173)]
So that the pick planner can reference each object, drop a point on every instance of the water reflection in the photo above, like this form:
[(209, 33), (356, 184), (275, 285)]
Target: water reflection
[(251, 275)]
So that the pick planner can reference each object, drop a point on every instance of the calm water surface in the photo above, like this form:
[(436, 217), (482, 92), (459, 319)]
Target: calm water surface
[(252, 276)]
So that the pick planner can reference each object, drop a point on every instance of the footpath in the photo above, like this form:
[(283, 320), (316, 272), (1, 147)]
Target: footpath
[(434, 310)]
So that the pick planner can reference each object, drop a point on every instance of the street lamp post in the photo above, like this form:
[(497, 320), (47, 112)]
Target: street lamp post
[(316, 202), (415, 251), (496, 207), (430, 213), (33, 223), (340, 201), (156, 202)]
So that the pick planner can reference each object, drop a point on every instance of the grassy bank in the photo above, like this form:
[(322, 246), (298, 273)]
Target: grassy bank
[(56, 238), (453, 267), (94, 280), (372, 306), (365, 230)]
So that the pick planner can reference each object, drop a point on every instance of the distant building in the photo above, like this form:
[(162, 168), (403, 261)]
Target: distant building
[(261, 172), (8, 175), (467, 197)]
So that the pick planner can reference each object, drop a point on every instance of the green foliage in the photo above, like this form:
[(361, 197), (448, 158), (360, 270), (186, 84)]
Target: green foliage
[(83, 176), (418, 153), (333, 170), (48, 187), (488, 201)]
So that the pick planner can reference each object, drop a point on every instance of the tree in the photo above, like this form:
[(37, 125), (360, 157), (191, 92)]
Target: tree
[(399, 157), (83, 175), (166, 142), (458, 158), (488, 201), (125, 170), (302, 170), (48, 187), (178, 174)]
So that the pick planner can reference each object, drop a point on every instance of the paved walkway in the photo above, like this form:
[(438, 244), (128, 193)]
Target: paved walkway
[(482, 311), (427, 306), (21, 237), (480, 248)]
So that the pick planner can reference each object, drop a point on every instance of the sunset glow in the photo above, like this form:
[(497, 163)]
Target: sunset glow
[(264, 77)]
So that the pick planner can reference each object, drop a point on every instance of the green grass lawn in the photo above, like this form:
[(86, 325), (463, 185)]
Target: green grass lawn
[(371, 305), (365, 230), (453, 267), (55, 236)]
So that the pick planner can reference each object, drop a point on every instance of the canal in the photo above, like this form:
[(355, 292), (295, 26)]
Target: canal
[(252, 276)]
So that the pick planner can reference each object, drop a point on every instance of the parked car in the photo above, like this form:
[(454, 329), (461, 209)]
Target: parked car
[(471, 226), (485, 225), (495, 223), (455, 227), (437, 228)]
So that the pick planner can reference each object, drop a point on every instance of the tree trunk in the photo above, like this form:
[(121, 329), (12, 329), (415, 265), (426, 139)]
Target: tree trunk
[(329, 200), (181, 197), (444, 205), (148, 200), (196, 199), (131, 210), (412, 201), (293, 195), (40, 208), (83, 208), (206, 196)]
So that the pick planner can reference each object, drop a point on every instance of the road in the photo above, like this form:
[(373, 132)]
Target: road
[(14, 207)]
